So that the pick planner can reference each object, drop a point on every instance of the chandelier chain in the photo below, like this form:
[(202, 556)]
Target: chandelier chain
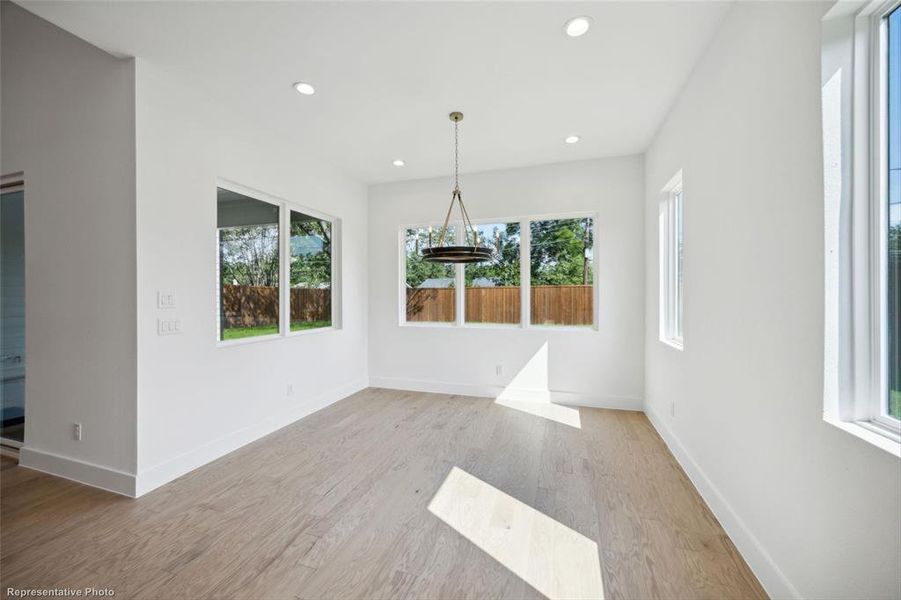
[(456, 155), (461, 251)]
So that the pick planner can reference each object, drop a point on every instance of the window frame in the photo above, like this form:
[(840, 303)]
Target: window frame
[(670, 303), (402, 278), (855, 137), (876, 411), (525, 270), (461, 281), (284, 268)]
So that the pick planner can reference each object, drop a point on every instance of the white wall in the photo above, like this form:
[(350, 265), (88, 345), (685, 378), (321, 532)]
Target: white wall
[(594, 367), (813, 509), (68, 123), (197, 401)]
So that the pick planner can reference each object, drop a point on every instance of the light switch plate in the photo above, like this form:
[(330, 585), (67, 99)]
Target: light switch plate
[(165, 299)]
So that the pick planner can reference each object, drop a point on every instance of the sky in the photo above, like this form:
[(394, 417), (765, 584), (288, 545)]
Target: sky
[(894, 116)]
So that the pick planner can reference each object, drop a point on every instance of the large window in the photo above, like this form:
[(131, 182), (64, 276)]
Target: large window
[(541, 274), (492, 289), (561, 256), (892, 204), (861, 108), (671, 263), (248, 266), (429, 287), (311, 272), (257, 251)]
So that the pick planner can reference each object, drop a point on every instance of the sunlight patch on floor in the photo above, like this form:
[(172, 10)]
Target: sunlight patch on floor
[(549, 556), (529, 392), (555, 412)]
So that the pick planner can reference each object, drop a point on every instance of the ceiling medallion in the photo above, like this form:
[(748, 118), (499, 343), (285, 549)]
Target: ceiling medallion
[(464, 253)]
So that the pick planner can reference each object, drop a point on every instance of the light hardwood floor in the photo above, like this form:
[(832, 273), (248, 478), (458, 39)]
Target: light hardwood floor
[(383, 495)]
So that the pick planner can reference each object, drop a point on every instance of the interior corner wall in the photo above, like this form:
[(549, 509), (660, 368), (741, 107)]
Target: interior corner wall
[(197, 400), (601, 368), (68, 124), (813, 509)]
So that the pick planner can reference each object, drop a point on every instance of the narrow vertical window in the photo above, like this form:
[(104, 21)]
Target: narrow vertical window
[(492, 288), (677, 313), (893, 221), (311, 272), (561, 271), (430, 296), (248, 232), (671, 264)]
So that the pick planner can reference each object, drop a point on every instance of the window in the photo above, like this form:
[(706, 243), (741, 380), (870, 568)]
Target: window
[(861, 108), (561, 253), (542, 274), (257, 251), (311, 272), (492, 289), (671, 263), (248, 266), (890, 408), (429, 294)]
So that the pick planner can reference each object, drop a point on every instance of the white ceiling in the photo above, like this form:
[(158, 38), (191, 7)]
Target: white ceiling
[(387, 73)]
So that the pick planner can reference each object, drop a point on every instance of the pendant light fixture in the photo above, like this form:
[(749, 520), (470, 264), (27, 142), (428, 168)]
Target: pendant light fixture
[(464, 253)]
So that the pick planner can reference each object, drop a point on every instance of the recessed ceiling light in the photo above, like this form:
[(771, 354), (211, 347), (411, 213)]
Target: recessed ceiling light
[(304, 88), (577, 26), (572, 139), (398, 163)]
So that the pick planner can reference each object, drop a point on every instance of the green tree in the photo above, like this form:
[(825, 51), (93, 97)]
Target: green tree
[(503, 269), (311, 253), (561, 252), (249, 255), (418, 270)]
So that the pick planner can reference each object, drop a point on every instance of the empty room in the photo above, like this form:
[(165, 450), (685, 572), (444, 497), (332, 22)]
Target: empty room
[(413, 300)]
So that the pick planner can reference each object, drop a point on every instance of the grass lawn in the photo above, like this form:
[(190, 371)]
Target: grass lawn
[(301, 325), (894, 405), (238, 333)]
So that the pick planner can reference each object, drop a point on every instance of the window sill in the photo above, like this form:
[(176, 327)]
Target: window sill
[(247, 340), (501, 326), (869, 432), (272, 337), (675, 344), (313, 331)]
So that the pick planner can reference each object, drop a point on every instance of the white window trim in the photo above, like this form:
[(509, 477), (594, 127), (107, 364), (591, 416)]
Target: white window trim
[(878, 400), (284, 307), (525, 282), (856, 353), (668, 305)]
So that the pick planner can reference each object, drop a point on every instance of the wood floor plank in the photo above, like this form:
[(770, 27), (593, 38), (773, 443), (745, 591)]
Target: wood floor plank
[(340, 505)]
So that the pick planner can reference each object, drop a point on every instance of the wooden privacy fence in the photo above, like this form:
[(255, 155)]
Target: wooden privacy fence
[(257, 306), (551, 304), (894, 320), (562, 305)]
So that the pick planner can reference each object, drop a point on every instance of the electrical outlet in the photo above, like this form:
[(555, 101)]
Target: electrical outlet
[(672, 408), (76, 430), (499, 369), (289, 389), (168, 326)]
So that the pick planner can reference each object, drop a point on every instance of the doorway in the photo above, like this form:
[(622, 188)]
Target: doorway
[(12, 312)]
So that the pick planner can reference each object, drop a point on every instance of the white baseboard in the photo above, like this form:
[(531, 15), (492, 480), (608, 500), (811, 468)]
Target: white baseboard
[(761, 563), (577, 399), (494, 391), (163, 473), (76, 470)]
